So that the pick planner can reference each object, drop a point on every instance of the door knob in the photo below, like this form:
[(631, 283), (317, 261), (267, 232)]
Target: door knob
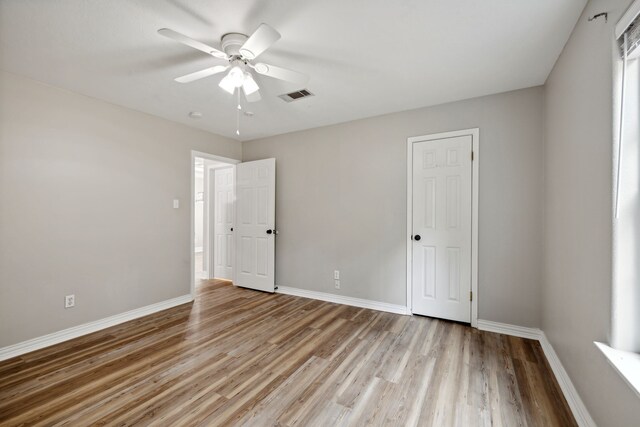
[(269, 231), (417, 237), (231, 228)]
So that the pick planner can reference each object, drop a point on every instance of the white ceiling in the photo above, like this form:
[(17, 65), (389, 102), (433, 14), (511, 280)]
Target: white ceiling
[(365, 57)]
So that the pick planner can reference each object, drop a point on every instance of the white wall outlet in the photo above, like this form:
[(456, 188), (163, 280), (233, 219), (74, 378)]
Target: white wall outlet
[(336, 274), (337, 284), (176, 203), (69, 301)]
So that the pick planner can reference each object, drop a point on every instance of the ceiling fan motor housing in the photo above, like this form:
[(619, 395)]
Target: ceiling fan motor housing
[(232, 42)]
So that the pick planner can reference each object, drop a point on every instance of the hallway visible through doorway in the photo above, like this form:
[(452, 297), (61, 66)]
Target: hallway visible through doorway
[(212, 211)]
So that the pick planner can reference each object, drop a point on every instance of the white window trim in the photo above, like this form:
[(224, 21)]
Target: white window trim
[(626, 363)]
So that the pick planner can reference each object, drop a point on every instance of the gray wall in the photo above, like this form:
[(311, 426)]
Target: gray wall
[(86, 193), (341, 202), (578, 199)]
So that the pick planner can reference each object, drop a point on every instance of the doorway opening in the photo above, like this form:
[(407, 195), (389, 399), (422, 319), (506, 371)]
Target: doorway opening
[(212, 216)]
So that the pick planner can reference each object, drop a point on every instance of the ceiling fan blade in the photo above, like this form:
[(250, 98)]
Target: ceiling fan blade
[(180, 38), (201, 74), (281, 73), (253, 96), (259, 41)]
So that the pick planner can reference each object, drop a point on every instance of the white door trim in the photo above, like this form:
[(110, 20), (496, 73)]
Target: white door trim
[(475, 139), (192, 201)]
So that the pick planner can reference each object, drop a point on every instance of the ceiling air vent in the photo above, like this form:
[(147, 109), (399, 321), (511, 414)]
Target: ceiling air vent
[(294, 96)]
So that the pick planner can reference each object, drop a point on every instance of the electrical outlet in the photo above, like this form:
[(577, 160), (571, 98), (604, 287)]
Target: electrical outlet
[(336, 274), (69, 301), (337, 284)]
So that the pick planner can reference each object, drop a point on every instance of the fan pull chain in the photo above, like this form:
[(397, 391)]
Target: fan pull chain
[(238, 114)]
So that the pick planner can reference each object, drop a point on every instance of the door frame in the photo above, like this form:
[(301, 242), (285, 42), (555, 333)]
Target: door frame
[(475, 165), (192, 201)]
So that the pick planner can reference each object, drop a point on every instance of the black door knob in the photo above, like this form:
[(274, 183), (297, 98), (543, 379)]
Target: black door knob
[(269, 231), (231, 228), (416, 237)]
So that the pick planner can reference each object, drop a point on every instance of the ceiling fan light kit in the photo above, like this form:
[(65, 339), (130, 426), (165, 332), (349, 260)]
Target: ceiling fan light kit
[(235, 76), (249, 85), (227, 84)]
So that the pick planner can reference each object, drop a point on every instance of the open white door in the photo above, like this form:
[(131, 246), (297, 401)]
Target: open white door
[(255, 225)]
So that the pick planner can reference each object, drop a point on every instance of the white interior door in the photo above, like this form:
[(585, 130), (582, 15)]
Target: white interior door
[(442, 215), (223, 223), (255, 224)]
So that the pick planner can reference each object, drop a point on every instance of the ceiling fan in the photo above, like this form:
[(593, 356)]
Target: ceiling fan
[(239, 51)]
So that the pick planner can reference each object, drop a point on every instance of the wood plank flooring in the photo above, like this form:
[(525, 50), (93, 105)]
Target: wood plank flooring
[(240, 357)]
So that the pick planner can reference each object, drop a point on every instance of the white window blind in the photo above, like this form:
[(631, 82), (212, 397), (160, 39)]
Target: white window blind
[(627, 33)]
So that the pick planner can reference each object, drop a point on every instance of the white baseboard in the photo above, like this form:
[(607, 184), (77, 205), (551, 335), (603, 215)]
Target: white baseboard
[(87, 328), (579, 410), (504, 328), (339, 299)]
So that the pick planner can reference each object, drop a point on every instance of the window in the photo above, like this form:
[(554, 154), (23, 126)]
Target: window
[(626, 279), (624, 351)]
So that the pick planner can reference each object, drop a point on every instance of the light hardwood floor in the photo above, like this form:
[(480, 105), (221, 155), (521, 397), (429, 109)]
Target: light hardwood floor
[(240, 357)]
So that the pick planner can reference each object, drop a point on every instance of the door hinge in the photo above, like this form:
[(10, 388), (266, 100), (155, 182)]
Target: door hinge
[(472, 156), (470, 295)]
